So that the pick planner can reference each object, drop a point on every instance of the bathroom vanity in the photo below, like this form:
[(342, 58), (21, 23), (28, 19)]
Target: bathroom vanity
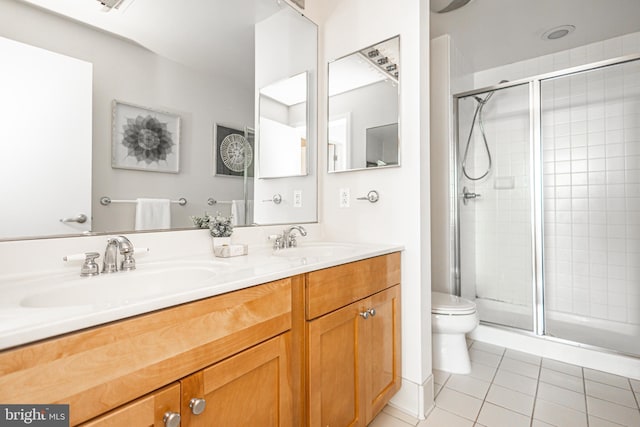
[(318, 346)]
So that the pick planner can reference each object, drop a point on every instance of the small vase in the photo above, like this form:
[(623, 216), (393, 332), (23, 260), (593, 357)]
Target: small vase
[(221, 241)]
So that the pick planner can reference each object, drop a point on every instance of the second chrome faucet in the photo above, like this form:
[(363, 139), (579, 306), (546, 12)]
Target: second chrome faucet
[(288, 238)]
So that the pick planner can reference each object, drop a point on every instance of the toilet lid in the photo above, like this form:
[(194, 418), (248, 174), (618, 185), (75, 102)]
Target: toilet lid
[(442, 303)]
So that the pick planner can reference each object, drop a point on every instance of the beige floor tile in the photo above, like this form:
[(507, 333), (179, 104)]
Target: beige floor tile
[(403, 416), (522, 356), (561, 396), (599, 422), (519, 367), (482, 372), (440, 377), (538, 423), (516, 382), (558, 415), (611, 393), (468, 385), (437, 388), (560, 379), (495, 416), (635, 385), (386, 420), (458, 403), (489, 348), (565, 368), (482, 357), (606, 378), (613, 412), (510, 399), (441, 418)]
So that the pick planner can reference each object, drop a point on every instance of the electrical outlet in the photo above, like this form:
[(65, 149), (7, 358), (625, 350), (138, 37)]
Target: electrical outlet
[(297, 198), (344, 197)]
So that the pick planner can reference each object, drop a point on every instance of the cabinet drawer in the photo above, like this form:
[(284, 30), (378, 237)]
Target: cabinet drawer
[(146, 411), (335, 287)]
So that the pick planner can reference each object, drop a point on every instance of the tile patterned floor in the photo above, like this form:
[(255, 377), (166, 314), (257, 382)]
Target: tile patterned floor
[(507, 388)]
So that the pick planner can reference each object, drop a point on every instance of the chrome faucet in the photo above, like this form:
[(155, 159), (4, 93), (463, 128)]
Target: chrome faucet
[(114, 245), (289, 237)]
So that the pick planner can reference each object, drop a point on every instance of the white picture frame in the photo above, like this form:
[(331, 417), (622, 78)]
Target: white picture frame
[(144, 139)]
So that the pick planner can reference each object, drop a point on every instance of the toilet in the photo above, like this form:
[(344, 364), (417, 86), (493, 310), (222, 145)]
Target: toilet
[(451, 318)]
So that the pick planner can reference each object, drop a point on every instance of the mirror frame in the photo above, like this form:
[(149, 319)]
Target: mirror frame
[(399, 118)]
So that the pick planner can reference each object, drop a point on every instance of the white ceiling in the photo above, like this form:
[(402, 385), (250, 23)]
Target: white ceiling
[(212, 35), (490, 33)]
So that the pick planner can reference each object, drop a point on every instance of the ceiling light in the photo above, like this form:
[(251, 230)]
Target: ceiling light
[(558, 32)]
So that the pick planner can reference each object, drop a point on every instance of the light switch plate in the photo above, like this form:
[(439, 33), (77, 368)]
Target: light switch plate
[(297, 198), (344, 197)]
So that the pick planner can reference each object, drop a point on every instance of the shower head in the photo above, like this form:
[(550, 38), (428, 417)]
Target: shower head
[(444, 6), (489, 95)]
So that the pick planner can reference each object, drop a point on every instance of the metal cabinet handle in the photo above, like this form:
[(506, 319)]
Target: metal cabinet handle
[(171, 419), (372, 312), (365, 314), (197, 405), (81, 218)]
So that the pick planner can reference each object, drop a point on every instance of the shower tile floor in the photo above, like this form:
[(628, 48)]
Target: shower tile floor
[(507, 388)]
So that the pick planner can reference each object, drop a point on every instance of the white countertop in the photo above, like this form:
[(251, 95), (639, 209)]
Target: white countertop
[(22, 322)]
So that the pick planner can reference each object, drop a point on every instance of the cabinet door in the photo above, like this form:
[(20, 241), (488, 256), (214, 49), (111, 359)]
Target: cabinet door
[(335, 382), (250, 388), (148, 411), (381, 350)]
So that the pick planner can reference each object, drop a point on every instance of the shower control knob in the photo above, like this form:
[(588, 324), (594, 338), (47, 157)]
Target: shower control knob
[(197, 405)]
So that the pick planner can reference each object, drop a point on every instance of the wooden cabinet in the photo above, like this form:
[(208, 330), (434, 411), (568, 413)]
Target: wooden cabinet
[(251, 388), (149, 411), (354, 351), (319, 349)]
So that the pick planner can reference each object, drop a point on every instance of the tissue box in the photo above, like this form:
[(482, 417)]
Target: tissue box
[(226, 251)]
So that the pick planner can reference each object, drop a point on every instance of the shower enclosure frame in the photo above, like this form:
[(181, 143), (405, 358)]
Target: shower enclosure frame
[(536, 184)]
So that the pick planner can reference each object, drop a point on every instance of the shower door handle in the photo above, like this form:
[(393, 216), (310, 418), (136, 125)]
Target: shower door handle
[(467, 195)]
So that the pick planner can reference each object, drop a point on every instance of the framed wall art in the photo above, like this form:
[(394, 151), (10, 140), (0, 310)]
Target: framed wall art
[(144, 139), (233, 151)]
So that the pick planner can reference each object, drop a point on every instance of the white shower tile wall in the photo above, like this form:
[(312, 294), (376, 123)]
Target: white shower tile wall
[(591, 170)]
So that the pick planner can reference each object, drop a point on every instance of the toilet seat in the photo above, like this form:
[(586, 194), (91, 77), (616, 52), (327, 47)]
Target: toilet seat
[(442, 303)]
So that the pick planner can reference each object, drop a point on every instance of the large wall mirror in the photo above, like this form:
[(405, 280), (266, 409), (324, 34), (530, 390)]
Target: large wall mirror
[(363, 128), (113, 110)]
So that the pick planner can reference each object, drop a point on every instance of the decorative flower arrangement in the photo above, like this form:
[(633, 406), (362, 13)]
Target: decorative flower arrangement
[(218, 225)]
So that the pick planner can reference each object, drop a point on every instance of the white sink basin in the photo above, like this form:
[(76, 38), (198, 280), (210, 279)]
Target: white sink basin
[(316, 250), (121, 288)]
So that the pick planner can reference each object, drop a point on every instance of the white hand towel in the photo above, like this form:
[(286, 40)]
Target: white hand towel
[(237, 212), (153, 214)]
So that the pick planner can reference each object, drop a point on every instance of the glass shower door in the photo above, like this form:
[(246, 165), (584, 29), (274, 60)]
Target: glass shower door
[(494, 257), (591, 158)]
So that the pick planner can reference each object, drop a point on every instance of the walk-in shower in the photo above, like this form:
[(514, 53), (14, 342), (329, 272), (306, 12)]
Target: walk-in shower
[(548, 240)]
